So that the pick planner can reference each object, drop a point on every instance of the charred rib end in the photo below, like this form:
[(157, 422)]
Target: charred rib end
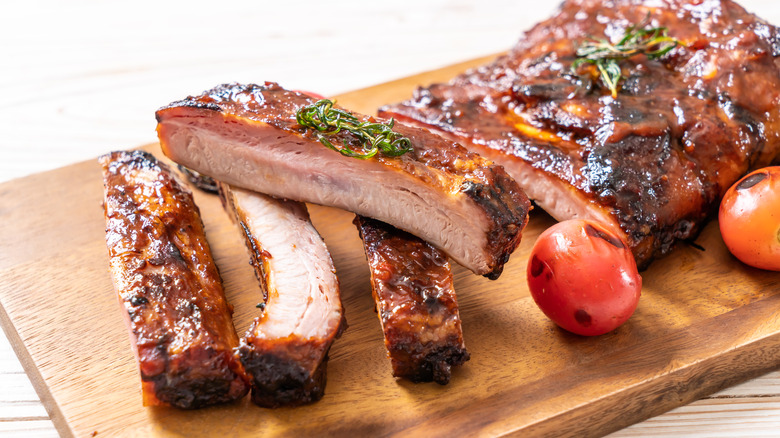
[(184, 391), (436, 366), (278, 382), (495, 274), (509, 214)]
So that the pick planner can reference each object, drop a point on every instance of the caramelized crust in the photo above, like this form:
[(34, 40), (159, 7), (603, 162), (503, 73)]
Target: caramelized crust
[(412, 285), (655, 161), (285, 351), (168, 285), (248, 136)]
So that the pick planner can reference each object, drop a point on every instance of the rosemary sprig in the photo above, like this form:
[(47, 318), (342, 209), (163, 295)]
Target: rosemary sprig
[(374, 137), (652, 42)]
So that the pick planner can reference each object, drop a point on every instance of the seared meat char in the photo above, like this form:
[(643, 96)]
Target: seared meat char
[(652, 162), (412, 285), (285, 351), (248, 136), (168, 285)]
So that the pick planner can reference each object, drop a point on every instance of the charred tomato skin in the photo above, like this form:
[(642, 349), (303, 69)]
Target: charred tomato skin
[(749, 219), (584, 277)]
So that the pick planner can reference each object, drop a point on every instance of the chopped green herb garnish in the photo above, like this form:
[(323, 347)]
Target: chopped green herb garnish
[(652, 42), (374, 137)]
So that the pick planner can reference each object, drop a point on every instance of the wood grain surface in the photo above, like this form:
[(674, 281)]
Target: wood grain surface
[(704, 322)]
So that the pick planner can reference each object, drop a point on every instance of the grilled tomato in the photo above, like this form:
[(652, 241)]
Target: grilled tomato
[(749, 219), (583, 277)]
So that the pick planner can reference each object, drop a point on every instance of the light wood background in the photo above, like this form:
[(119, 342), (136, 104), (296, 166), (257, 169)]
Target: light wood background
[(80, 78)]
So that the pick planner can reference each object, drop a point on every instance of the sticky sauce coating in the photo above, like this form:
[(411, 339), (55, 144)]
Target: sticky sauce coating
[(412, 286), (168, 285), (659, 156)]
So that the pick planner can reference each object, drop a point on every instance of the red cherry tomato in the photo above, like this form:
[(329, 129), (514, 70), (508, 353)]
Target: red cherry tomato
[(749, 219), (584, 277)]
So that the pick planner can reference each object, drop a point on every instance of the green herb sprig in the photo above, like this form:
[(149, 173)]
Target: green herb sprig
[(652, 42), (374, 137)]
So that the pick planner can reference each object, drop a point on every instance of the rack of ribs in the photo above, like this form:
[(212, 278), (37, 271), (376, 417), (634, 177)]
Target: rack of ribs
[(168, 285), (653, 161)]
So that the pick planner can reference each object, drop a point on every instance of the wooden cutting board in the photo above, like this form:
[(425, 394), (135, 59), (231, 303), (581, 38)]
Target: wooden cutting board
[(704, 322)]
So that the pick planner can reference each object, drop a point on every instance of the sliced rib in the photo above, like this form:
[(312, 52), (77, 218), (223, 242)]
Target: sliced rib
[(168, 285), (412, 285), (285, 350), (248, 136)]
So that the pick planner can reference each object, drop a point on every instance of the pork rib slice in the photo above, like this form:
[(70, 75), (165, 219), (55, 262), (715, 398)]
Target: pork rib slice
[(654, 161), (285, 350), (168, 285), (412, 285), (248, 136)]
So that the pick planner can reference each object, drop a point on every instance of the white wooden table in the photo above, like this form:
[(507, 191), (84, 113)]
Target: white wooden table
[(80, 78)]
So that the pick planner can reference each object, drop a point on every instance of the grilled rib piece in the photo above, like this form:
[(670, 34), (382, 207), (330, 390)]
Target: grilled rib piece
[(247, 136), (412, 286), (653, 162), (168, 285), (285, 350)]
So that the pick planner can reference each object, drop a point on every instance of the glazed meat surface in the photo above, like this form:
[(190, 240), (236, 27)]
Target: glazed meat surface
[(412, 285), (168, 285), (655, 160), (248, 136), (286, 348)]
